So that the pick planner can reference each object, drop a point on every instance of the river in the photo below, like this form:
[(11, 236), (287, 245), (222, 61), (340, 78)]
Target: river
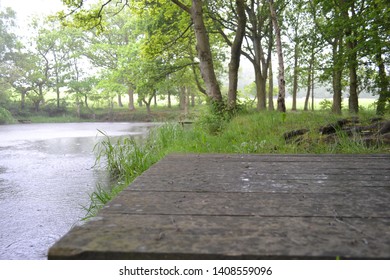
[(46, 177)]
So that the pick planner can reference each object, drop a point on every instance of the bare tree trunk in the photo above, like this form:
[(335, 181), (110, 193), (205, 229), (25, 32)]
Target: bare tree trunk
[(234, 64), (148, 108), (353, 90), (182, 98), (306, 108), (384, 91), (120, 104), (169, 99), (203, 48), (23, 101), (281, 80), (204, 52), (347, 8), (148, 103), (261, 85), (271, 106), (192, 98), (312, 89), (130, 93), (155, 99), (186, 102), (58, 94), (86, 101), (337, 75), (295, 82)]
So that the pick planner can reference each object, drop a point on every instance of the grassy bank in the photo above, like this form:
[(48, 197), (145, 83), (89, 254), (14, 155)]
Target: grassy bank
[(118, 114), (247, 133)]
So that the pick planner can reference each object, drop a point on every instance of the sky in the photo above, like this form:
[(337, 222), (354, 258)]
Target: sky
[(26, 9)]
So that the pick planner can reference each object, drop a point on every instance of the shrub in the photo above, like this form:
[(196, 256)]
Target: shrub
[(326, 104), (5, 116)]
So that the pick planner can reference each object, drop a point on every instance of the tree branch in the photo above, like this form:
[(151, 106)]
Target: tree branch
[(182, 6)]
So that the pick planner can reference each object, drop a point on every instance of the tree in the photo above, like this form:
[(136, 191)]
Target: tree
[(329, 20), (296, 22), (258, 41), (8, 46), (203, 48), (230, 16), (377, 36)]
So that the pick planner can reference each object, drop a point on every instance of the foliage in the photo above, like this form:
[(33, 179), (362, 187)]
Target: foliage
[(326, 104), (5, 116)]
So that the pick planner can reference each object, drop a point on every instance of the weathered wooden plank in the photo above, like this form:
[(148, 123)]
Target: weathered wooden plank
[(252, 204), (283, 166), (244, 206), (216, 237), (275, 158), (274, 186), (278, 158)]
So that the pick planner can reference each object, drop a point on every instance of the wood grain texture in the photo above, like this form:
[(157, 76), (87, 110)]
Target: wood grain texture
[(244, 207)]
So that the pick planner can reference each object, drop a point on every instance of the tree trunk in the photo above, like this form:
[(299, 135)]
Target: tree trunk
[(312, 89), (186, 102), (86, 100), (310, 80), (295, 78), (337, 73), (384, 91), (169, 100), (281, 80), (120, 104), (257, 57), (271, 106), (337, 91), (149, 102), (130, 92), (78, 106), (182, 98), (192, 98), (234, 64), (353, 91), (23, 100), (155, 99), (306, 108), (58, 95), (260, 89), (204, 52), (352, 55)]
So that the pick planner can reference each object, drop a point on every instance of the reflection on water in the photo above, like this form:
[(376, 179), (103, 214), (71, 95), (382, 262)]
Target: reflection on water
[(46, 177)]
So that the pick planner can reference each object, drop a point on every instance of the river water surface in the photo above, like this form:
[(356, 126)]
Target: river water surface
[(46, 177)]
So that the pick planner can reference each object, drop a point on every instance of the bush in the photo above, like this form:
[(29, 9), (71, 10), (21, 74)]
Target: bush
[(52, 111), (5, 116), (326, 104)]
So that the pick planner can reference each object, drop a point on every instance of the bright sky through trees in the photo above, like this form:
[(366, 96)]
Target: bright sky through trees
[(26, 9)]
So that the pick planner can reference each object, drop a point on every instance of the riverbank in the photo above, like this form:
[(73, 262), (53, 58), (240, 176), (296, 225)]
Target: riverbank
[(158, 114)]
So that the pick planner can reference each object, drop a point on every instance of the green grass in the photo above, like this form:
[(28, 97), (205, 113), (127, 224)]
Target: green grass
[(60, 119), (127, 159), (254, 132)]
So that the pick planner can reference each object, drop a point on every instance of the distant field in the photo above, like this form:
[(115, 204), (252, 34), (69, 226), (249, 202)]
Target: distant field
[(368, 103)]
